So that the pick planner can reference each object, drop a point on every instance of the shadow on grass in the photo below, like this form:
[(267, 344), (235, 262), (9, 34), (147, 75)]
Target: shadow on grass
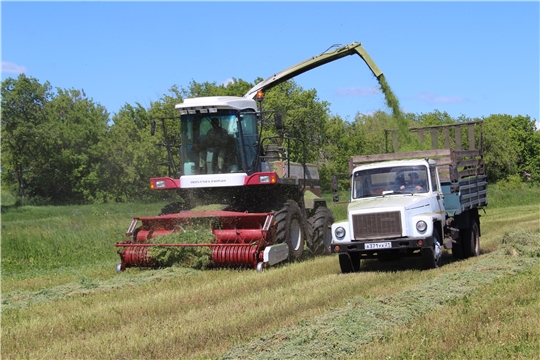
[(404, 263), (5, 208)]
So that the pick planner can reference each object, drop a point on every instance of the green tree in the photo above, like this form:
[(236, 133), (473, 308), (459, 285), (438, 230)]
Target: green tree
[(335, 153), (370, 135), (23, 119), (236, 87), (510, 145), (164, 107), (534, 162), (131, 157), (304, 115), (68, 156), (432, 118)]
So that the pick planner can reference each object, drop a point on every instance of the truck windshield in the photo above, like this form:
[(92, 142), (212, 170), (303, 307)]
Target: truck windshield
[(399, 180), (214, 143)]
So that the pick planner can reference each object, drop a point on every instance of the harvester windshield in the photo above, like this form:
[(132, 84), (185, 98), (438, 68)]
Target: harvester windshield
[(220, 142)]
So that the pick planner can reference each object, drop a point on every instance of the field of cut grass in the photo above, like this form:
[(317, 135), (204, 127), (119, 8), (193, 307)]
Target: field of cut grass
[(61, 297)]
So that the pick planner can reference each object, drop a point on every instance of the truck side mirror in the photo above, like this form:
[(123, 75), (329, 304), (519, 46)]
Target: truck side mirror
[(152, 127), (278, 122), (335, 188)]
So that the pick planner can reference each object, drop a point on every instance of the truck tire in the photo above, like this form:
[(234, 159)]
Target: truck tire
[(457, 247), (291, 229), (471, 241), (349, 262), (431, 256), (320, 232)]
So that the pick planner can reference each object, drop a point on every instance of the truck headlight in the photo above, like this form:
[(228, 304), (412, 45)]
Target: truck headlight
[(421, 226), (160, 184), (340, 232)]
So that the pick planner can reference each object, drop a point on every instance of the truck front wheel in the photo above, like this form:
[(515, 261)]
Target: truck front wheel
[(349, 262), (431, 256), (291, 229)]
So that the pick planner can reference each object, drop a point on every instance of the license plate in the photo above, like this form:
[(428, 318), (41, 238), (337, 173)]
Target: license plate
[(383, 245)]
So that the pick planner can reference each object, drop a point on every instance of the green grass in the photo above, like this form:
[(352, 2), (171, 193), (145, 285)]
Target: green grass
[(71, 303), (7, 198), (343, 332), (497, 321), (41, 239), (505, 195)]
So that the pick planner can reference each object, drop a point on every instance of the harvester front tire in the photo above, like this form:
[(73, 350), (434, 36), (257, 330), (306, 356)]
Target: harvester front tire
[(291, 229), (320, 232)]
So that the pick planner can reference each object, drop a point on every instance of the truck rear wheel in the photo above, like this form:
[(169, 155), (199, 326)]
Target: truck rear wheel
[(291, 230), (319, 231), (471, 241), (431, 257), (349, 262)]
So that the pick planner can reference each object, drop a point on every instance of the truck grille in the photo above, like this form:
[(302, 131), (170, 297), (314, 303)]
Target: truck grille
[(377, 226)]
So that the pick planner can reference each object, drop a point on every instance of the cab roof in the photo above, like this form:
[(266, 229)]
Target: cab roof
[(395, 163), (217, 102)]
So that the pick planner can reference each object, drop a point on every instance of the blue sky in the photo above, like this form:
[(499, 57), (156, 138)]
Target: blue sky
[(463, 58)]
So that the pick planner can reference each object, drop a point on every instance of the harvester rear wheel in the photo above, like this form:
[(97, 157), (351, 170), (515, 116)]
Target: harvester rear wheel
[(291, 229), (319, 231)]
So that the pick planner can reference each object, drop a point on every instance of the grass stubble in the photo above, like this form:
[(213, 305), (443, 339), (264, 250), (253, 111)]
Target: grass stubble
[(484, 307)]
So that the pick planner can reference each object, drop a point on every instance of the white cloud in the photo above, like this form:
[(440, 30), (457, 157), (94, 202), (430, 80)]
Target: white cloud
[(434, 99), (11, 68), (228, 81), (357, 91)]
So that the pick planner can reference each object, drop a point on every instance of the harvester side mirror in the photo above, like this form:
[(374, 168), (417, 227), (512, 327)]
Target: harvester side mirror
[(335, 188), (278, 121), (152, 127)]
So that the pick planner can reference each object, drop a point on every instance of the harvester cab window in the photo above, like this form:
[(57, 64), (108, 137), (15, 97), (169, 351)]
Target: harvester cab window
[(221, 142), (250, 140)]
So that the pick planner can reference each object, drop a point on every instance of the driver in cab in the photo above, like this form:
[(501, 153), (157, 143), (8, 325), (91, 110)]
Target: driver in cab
[(216, 137), (414, 182)]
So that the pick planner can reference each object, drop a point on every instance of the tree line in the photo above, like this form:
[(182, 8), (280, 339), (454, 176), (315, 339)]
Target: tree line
[(59, 146)]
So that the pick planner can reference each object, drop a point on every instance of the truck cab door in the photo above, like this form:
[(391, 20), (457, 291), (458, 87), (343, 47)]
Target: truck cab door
[(436, 188)]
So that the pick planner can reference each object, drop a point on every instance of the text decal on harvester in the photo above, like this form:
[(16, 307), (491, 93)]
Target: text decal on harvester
[(212, 180)]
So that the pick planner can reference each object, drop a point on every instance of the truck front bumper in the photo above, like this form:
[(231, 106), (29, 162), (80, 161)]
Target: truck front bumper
[(376, 247)]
